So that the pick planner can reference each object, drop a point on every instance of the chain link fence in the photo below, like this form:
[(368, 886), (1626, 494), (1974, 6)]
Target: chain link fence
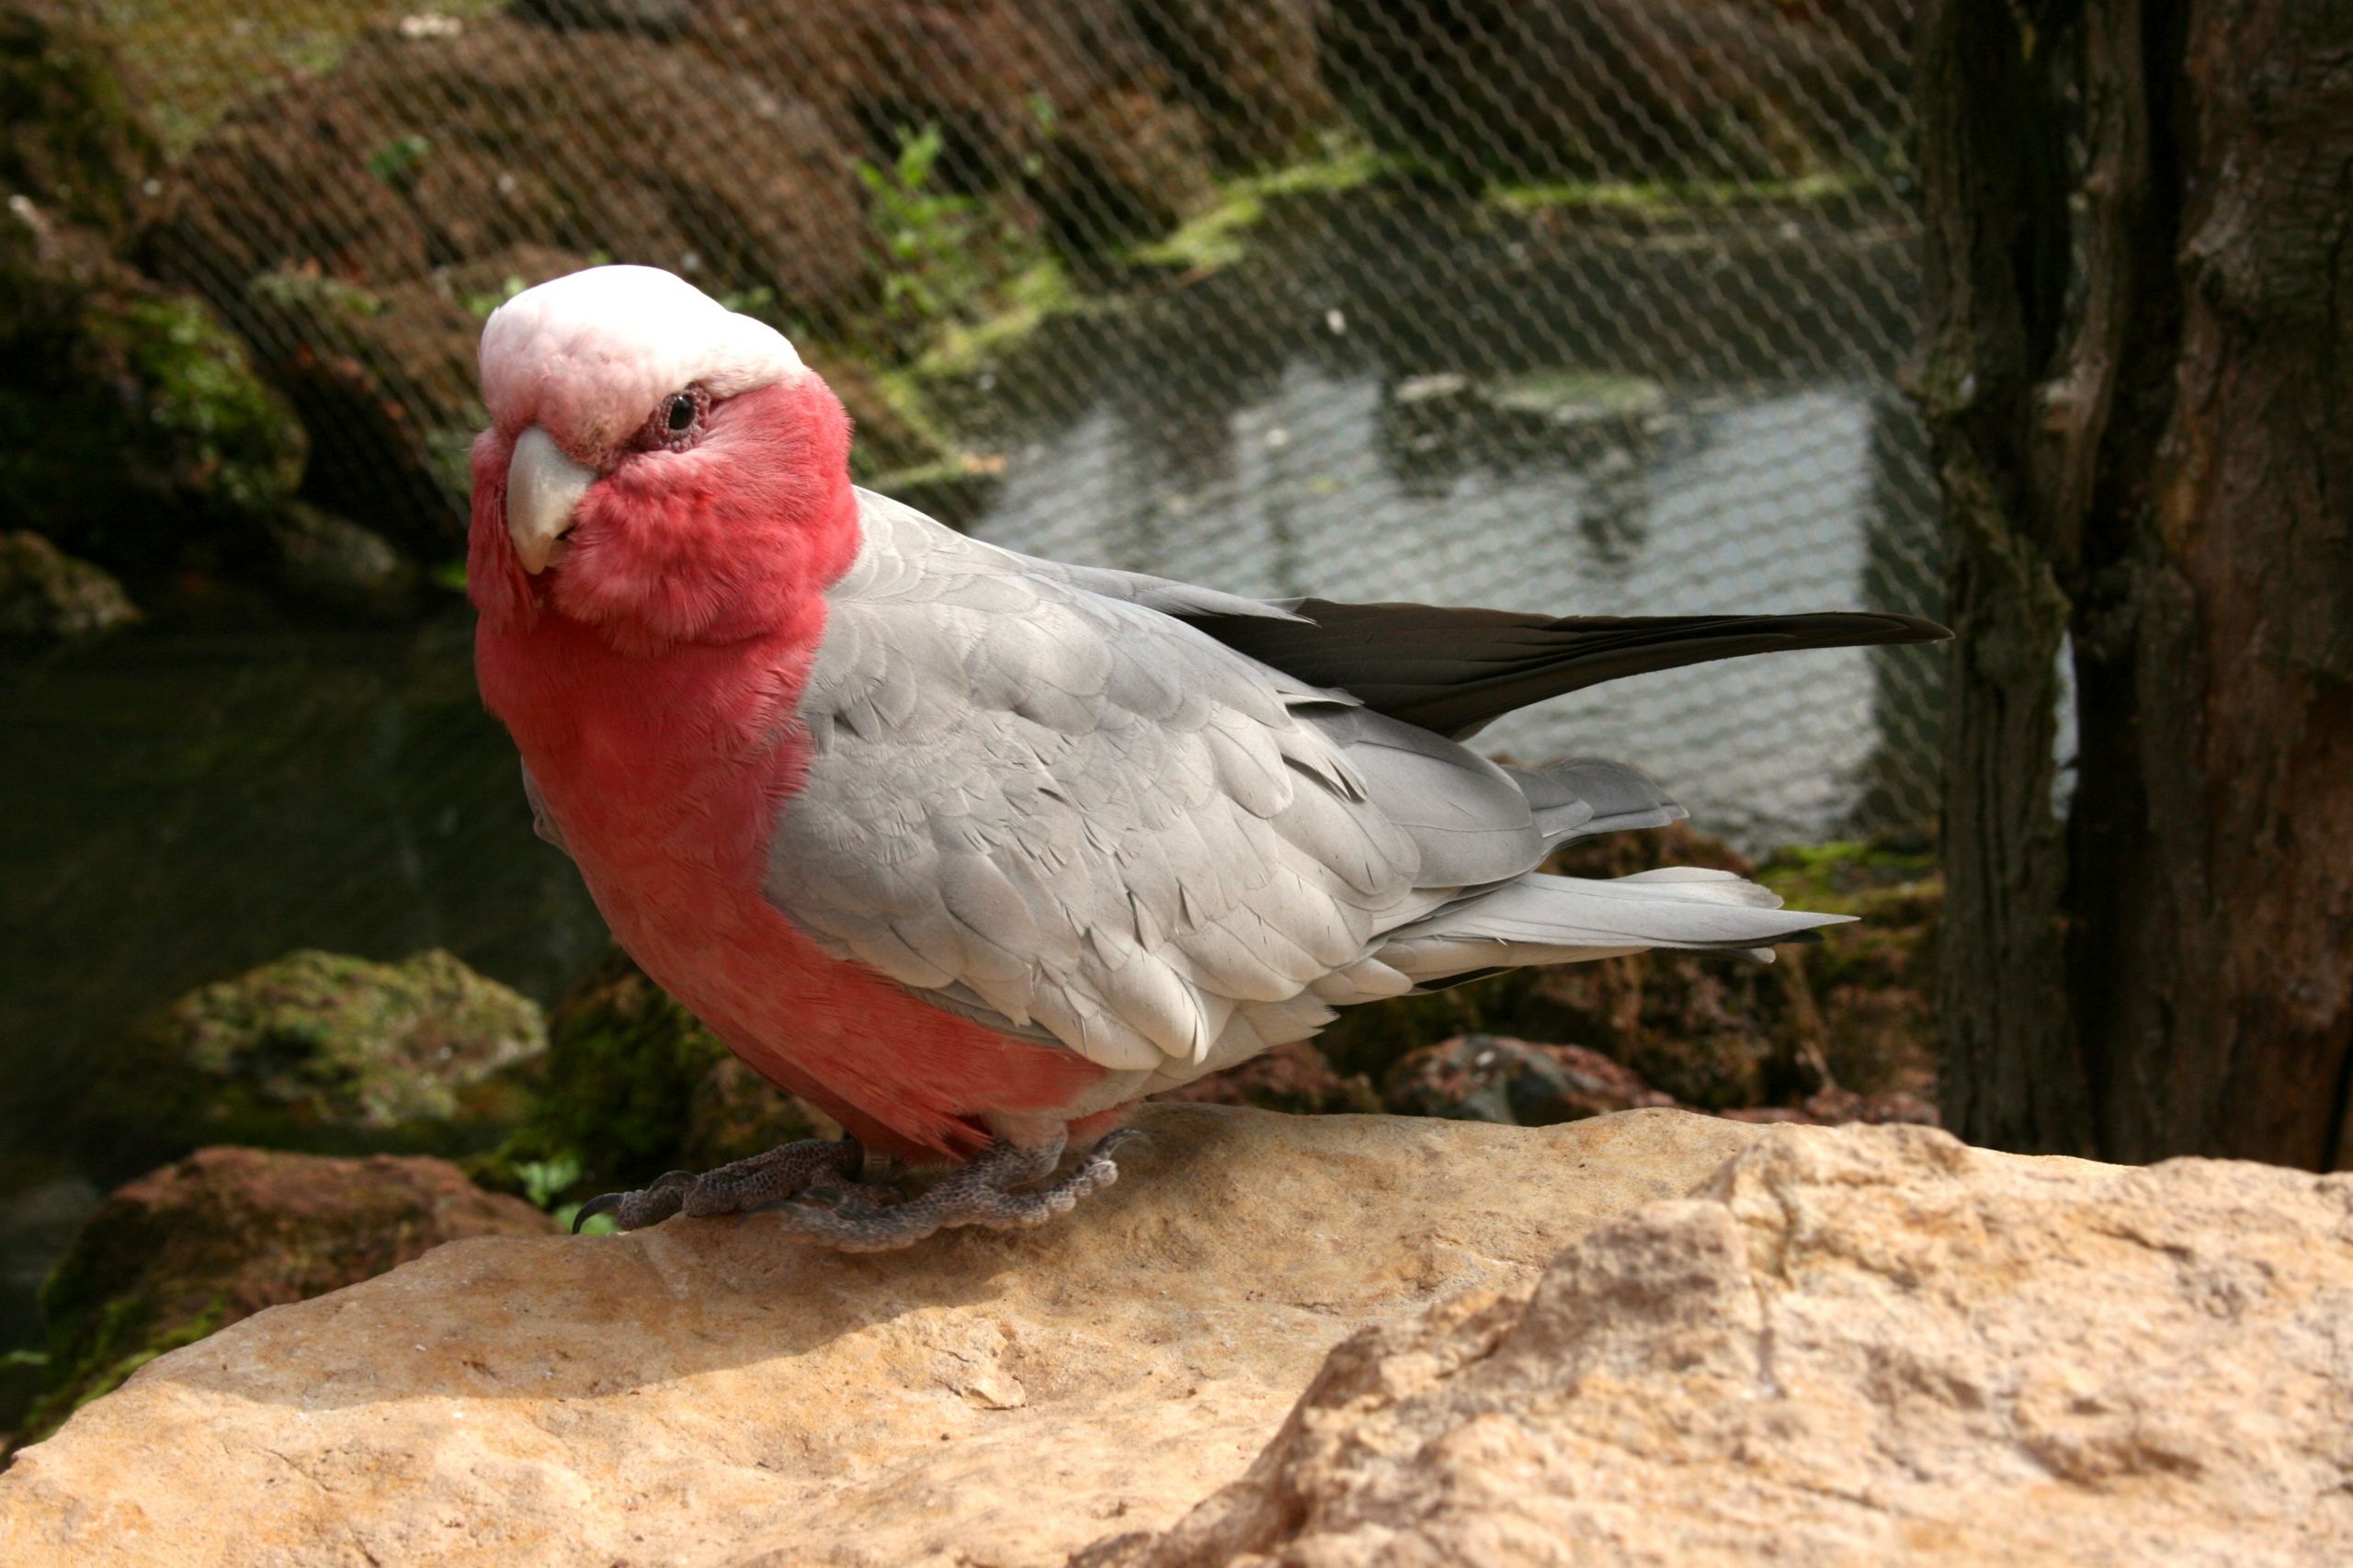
[(1574, 305), (1587, 305)]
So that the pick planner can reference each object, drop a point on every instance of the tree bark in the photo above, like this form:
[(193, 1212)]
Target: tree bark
[(2138, 373)]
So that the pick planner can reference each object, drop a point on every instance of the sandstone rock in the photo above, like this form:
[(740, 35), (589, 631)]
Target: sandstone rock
[(227, 1231), (710, 1392), (1865, 1345)]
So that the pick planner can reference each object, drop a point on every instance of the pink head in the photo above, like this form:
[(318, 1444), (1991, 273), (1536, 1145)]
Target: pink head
[(658, 467)]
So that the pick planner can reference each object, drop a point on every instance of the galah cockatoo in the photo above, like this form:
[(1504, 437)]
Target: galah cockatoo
[(975, 850)]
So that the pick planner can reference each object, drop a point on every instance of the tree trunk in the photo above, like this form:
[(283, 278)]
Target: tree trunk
[(2138, 373)]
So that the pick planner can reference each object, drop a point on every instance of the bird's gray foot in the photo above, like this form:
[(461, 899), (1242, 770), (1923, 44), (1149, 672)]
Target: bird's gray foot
[(784, 1172), (980, 1194)]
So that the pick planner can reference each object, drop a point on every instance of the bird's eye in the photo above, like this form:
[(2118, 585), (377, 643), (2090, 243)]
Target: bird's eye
[(676, 423)]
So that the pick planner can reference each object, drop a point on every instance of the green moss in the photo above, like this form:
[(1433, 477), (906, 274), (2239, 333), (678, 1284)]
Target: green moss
[(139, 436), (235, 438), (197, 63), (1045, 288), (399, 162), (956, 491), (330, 1036), (623, 1065), (1573, 396), (314, 294), (324, 1052), (1670, 196), (1220, 236), (1874, 982), (1852, 876), (906, 404), (1038, 292), (122, 1338), (635, 1086)]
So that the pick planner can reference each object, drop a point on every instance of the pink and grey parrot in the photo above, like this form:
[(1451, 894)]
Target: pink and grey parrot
[(975, 850)]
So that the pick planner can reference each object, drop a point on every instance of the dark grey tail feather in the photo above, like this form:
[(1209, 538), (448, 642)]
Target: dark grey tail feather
[(1453, 671), (1586, 796)]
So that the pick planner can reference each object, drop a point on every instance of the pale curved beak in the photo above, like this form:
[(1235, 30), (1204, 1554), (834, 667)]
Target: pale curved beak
[(543, 489)]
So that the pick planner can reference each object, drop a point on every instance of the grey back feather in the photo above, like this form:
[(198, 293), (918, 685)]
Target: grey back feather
[(1043, 799)]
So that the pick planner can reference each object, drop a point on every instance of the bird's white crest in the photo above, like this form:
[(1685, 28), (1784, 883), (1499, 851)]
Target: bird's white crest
[(588, 355)]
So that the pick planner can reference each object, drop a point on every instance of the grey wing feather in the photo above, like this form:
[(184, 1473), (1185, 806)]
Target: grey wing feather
[(1057, 810), (1042, 799)]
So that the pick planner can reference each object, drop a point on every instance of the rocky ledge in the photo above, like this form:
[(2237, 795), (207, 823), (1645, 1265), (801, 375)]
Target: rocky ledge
[(1644, 1337)]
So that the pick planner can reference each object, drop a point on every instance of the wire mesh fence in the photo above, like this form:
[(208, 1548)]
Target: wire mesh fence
[(1585, 306), (1581, 304)]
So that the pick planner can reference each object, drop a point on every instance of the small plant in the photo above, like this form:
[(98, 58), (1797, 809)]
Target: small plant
[(943, 250), (479, 306), (398, 162), (758, 300), (544, 1181), (922, 231), (314, 294)]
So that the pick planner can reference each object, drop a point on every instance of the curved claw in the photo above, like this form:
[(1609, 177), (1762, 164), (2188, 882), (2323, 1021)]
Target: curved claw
[(603, 1203)]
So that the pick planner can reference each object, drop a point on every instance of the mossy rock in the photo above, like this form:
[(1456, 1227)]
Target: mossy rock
[(177, 1253), (1295, 1078), (1480, 1077), (1712, 1031), (332, 564), (1874, 982), (325, 1051), (135, 431), (636, 1085), (76, 142), (48, 597), (221, 437), (385, 378)]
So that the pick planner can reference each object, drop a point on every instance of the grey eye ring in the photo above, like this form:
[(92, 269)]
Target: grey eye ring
[(676, 423)]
